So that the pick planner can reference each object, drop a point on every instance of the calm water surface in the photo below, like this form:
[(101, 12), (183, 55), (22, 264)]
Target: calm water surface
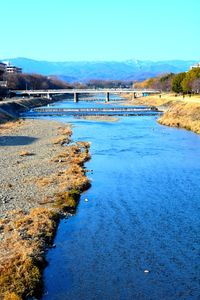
[(142, 214)]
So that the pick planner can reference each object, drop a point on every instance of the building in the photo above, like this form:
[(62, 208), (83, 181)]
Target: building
[(10, 69), (195, 66), (13, 70), (5, 69)]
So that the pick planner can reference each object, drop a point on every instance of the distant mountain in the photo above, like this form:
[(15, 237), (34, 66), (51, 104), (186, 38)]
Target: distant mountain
[(113, 70)]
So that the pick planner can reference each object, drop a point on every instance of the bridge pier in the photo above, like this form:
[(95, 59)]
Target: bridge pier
[(75, 97), (48, 96), (107, 96), (134, 96)]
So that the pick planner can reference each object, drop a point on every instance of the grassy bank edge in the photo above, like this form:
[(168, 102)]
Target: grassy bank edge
[(25, 236), (178, 111)]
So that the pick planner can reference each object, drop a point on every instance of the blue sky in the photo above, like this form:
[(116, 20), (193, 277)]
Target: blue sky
[(77, 30)]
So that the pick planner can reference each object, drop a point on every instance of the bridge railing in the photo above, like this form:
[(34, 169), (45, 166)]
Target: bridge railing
[(71, 91)]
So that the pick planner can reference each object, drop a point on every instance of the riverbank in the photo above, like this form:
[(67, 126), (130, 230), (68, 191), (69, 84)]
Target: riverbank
[(178, 111), (182, 115), (10, 109), (42, 177)]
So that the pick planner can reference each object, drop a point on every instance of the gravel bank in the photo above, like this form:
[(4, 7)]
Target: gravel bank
[(41, 180), (26, 152)]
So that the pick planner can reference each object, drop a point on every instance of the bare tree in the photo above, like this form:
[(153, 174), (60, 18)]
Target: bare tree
[(196, 85)]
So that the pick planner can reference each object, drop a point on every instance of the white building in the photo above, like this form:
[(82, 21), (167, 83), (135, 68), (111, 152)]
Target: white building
[(13, 70), (10, 69), (195, 66)]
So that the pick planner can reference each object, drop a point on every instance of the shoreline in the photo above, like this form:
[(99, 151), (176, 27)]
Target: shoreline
[(10, 109), (44, 176), (178, 112)]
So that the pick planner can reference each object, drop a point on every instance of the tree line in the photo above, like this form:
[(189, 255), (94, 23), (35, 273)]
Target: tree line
[(31, 81), (184, 82), (39, 82), (34, 82)]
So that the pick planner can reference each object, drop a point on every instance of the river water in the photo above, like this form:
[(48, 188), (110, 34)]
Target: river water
[(142, 214)]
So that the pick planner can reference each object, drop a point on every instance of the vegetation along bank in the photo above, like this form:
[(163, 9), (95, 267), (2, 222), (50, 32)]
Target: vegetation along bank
[(43, 175), (180, 98)]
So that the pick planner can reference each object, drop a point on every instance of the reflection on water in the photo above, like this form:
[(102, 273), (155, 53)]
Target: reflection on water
[(142, 214)]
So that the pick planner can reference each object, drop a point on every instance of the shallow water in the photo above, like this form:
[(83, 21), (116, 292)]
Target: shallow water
[(142, 214)]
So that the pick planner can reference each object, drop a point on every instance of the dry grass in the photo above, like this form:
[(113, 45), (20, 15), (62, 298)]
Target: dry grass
[(77, 153), (45, 181), (21, 250), (183, 112), (25, 153), (153, 100), (25, 235), (11, 125), (65, 131), (67, 201), (166, 99), (11, 296), (64, 136), (61, 140), (73, 177), (184, 115), (61, 157)]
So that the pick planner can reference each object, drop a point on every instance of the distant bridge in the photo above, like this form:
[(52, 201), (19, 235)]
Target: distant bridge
[(77, 92)]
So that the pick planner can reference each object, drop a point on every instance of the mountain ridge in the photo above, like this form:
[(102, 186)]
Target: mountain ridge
[(82, 71)]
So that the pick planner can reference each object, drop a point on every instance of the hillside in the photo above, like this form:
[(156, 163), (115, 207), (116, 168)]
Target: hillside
[(106, 70)]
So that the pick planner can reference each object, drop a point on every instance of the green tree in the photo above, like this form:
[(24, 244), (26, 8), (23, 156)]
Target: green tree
[(177, 82)]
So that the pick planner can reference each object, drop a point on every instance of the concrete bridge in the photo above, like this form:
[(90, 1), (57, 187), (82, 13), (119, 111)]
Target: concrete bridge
[(77, 92)]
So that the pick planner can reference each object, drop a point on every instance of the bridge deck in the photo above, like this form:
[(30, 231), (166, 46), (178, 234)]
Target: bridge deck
[(84, 91)]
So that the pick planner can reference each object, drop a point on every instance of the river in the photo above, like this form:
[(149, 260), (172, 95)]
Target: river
[(137, 236)]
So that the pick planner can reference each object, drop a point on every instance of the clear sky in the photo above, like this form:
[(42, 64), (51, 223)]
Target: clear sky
[(76, 30)]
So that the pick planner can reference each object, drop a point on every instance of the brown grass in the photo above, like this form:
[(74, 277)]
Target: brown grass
[(21, 250), (25, 153), (183, 112), (153, 100), (61, 140), (64, 136), (45, 181), (65, 131), (166, 99), (73, 177), (184, 115), (26, 234), (61, 157), (67, 201), (11, 125)]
